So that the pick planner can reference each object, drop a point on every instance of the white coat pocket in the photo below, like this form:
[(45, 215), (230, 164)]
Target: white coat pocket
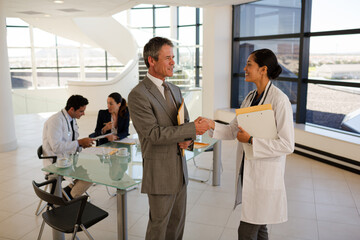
[(269, 174)]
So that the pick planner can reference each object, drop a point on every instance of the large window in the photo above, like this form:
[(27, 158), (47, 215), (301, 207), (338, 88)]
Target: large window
[(41, 59), (316, 43), (190, 35), (183, 25)]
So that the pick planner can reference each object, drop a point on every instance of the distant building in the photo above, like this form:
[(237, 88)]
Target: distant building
[(338, 71)]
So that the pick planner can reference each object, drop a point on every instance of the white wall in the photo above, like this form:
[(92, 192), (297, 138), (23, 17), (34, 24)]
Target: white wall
[(217, 32)]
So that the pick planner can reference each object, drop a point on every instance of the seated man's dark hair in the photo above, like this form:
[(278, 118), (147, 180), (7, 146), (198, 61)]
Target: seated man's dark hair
[(76, 101)]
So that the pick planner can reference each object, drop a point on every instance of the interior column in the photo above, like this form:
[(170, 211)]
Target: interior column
[(7, 126)]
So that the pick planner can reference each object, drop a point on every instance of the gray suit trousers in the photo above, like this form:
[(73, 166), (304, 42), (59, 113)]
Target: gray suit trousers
[(167, 216)]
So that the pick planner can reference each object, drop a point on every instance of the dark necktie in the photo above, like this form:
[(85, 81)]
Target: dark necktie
[(72, 128), (169, 99)]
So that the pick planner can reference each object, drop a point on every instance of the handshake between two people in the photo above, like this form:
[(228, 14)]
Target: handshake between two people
[(203, 124)]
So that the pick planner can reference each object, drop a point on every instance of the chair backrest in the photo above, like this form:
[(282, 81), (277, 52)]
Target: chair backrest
[(50, 198), (40, 155)]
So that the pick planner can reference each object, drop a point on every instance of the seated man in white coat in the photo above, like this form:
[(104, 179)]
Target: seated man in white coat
[(60, 136)]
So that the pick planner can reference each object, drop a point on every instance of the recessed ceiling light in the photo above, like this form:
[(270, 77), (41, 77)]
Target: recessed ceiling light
[(58, 1)]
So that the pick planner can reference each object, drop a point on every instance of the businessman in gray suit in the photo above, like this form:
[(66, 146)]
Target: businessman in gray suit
[(153, 109)]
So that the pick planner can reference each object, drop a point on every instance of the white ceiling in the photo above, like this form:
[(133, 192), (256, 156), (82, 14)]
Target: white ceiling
[(93, 8)]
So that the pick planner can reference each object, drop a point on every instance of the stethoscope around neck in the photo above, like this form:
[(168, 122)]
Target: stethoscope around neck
[(264, 97), (67, 123)]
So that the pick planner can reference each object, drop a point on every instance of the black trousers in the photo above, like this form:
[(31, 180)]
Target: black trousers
[(248, 231)]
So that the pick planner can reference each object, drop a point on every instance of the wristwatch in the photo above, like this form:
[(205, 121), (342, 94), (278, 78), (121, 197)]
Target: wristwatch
[(250, 140)]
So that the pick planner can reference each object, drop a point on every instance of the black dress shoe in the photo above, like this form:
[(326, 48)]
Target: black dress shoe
[(67, 190)]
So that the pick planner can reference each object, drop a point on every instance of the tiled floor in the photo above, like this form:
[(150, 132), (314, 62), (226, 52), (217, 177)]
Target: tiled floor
[(324, 201)]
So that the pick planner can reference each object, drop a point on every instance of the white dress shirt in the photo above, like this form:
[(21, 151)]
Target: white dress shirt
[(158, 83)]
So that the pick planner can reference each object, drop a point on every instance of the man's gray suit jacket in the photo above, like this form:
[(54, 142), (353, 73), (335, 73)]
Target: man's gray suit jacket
[(164, 168)]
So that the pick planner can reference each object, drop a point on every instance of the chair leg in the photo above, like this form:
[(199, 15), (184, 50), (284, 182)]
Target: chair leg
[(110, 194), (75, 231), (65, 194), (38, 210), (86, 232), (41, 229), (87, 194)]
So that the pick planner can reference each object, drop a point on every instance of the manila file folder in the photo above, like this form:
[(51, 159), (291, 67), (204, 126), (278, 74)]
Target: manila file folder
[(181, 118), (259, 122)]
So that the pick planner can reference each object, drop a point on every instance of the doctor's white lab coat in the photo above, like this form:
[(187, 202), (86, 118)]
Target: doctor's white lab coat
[(263, 194), (57, 136)]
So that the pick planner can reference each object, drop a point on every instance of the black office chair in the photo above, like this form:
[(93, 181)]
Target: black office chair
[(67, 216), (40, 208)]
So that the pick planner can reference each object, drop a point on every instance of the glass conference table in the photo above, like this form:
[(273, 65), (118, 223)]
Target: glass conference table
[(123, 173)]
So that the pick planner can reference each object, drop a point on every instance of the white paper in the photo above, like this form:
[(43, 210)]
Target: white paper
[(101, 136), (126, 141)]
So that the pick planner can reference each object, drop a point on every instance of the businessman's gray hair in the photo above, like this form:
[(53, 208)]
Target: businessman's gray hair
[(153, 47)]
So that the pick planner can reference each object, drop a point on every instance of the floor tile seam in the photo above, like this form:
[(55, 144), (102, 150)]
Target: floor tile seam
[(302, 188), (335, 205), (227, 221), (331, 189), (216, 190), (315, 177), (344, 223), (217, 206), (133, 225), (302, 217), (332, 205), (12, 214), (286, 235), (22, 236), (204, 224), (23, 214), (141, 216), (222, 233), (332, 222), (353, 193), (329, 179), (224, 191)]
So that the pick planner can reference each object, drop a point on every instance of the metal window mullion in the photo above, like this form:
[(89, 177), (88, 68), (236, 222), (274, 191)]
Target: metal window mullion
[(197, 50), (234, 95), (304, 55), (177, 35), (154, 25)]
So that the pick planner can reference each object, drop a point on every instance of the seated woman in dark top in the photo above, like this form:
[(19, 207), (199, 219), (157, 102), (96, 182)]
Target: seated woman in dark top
[(114, 120)]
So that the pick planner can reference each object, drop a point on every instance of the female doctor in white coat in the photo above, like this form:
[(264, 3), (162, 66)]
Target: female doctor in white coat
[(261, 190)]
